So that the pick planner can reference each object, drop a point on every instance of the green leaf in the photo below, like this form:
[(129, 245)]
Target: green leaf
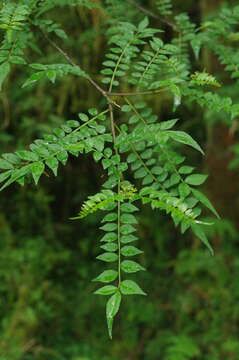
[(184, 190), (128, 239), (34, 78), (126, 108), (51, 74), (184, 138), (128, 207), (109, 217), (143, 24), (109, 227), (93, 111), (132, 158), (5, 175), (62, 156), (83, 117), (129, 287), (157, 170), (4, 70), (127, 229), (140, 173), (185, 170), (112, 307), (59, 132), (73, 123), (4, 164), (107, 276), (109, 237), (27, 155), (130, 266), (130, 251), (205, 201), (106, 290), (165, 125), (196, 179), (12, 158), (128, 219), (37, 168), (108, 257), (16, 175), (198, 231), (109, 247), (52, 163), (97, 155)]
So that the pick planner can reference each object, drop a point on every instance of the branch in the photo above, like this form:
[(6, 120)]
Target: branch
[(134, 93), (112, 123), (71, 62)]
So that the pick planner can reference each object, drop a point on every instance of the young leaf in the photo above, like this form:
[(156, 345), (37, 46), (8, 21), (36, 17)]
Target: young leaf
[(112, 307)]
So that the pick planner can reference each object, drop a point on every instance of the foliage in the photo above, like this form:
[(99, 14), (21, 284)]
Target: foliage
[(147, 159)]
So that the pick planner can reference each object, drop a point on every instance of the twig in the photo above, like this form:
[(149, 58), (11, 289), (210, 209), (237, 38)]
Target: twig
[(134, 93), (150, 13), (112, 122), (71, 62)]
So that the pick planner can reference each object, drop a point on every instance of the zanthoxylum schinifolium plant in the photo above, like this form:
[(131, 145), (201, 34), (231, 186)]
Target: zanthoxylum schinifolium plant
[(139, 153)]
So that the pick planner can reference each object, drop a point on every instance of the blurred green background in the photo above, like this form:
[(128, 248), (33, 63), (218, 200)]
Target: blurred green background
[(47, 308)]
